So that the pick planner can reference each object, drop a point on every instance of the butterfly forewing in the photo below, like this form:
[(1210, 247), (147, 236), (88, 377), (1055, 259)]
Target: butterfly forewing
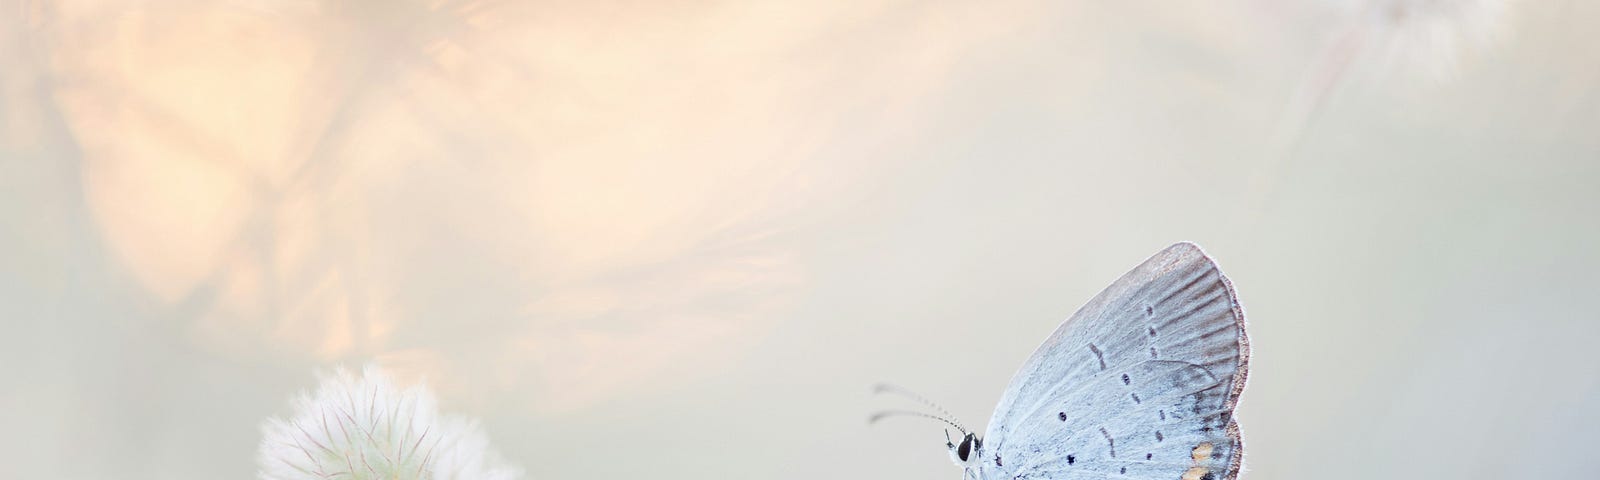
[(1139, 383)]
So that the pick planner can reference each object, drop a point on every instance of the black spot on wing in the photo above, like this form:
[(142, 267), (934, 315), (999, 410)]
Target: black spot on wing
[(1109, 442), (1098, 355)]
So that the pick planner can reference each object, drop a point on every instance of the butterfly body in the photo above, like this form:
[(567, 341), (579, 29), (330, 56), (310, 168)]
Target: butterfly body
[(1139, 384)]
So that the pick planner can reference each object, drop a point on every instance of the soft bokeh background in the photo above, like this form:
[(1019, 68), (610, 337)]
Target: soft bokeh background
[(682, 239)]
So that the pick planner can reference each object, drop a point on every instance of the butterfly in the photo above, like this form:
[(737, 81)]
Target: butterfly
[(1139, 384)]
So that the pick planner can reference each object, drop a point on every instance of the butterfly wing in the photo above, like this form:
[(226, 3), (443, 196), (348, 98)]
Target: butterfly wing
[(1140, 383)]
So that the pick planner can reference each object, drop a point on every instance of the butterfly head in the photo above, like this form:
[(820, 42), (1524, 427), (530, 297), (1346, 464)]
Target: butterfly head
[(966, 453)]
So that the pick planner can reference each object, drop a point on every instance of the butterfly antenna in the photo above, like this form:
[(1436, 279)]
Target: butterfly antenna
[(888, 388), (908, 413)]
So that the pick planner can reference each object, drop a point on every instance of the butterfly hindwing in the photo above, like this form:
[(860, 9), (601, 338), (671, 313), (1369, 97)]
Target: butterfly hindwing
[(1139, 383)]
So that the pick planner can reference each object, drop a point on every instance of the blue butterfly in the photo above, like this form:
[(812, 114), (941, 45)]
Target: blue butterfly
[(1139, 384)]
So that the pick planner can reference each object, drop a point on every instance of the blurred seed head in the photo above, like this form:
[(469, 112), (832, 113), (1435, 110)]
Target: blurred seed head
[(1427, 38)]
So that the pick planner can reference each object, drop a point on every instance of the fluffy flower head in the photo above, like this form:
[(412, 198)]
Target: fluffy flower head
[(360, 428)]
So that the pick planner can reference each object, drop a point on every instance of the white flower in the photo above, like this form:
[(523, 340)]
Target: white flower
[(1392, 44), (1428, 36), (364, 428)]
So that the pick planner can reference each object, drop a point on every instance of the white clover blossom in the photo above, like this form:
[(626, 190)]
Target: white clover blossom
[(364, 428)]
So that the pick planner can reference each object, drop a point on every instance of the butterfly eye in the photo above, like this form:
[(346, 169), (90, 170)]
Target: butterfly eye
[(966, 448)]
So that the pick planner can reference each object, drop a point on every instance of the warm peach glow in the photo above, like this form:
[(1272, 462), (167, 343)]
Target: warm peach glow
[(280, 173)]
